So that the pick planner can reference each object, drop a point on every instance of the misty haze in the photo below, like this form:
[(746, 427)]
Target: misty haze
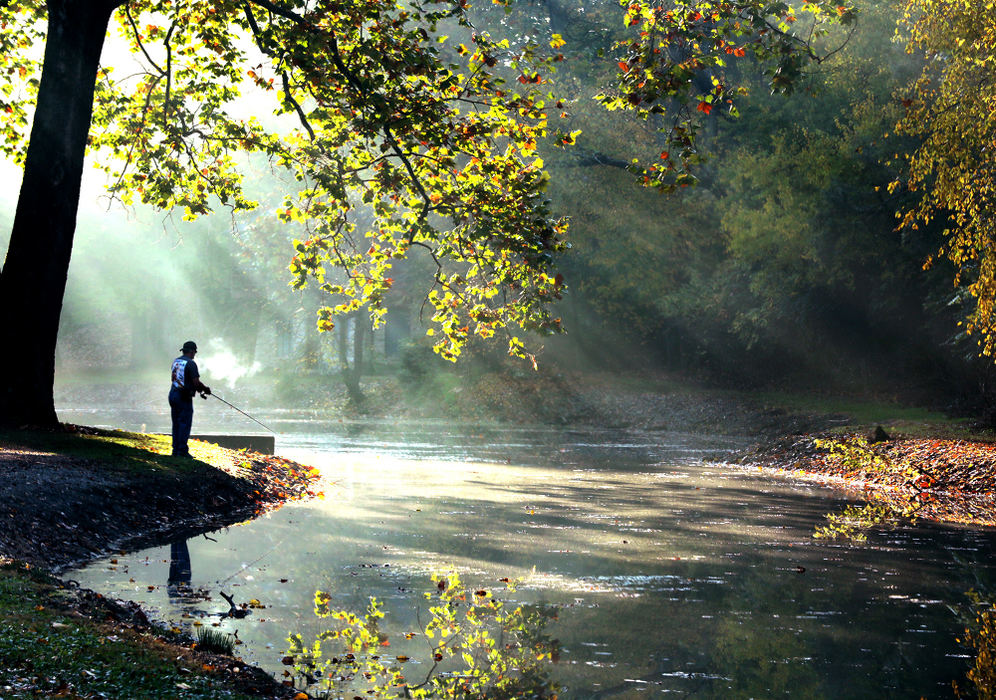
[(556, 349)]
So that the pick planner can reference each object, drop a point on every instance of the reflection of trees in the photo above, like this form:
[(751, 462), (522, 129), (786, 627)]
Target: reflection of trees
[(768, 629), (476, 648), (763, 662)]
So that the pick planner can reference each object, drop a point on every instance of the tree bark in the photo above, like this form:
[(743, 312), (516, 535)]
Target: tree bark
[(351, 372), (359, 345), (33, 278)]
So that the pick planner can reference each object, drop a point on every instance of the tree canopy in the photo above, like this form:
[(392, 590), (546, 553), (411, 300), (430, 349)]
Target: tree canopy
[(952, 110), (410, 130)]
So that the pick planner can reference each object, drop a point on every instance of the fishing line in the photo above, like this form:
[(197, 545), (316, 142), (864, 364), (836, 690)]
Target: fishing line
[(242, 412), (243, 568)]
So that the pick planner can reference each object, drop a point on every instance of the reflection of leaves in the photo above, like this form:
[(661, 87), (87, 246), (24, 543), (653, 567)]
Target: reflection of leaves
[(855, 521), (489, 651), (980, 637)]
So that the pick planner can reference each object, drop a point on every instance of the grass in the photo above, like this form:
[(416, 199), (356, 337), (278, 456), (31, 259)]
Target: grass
[(118, 451), (215, 641), (47, 651), (908, 421)]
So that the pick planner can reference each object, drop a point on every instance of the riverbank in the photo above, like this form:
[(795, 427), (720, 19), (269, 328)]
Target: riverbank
[(70, 495), (943, 479)]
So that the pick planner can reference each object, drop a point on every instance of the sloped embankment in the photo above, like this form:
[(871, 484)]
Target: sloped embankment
[(71, 495)]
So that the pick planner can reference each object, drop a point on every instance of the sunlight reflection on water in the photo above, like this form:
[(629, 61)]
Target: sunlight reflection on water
[(692, 577)]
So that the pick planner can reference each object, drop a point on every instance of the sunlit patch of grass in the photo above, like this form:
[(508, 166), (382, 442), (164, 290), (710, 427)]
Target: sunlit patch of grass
[(48, 652), (117, 450), (909, 421)]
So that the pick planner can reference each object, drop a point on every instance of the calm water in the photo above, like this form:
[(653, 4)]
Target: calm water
[(676, 575)]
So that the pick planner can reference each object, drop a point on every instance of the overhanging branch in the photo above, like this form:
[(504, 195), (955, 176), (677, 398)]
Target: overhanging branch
[(354, 82)]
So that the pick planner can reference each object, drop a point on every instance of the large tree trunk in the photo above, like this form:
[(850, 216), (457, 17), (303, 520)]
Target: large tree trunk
[(33, 278)]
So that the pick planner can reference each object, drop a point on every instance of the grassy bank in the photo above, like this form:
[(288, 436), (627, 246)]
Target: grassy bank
[(49, 647), (75, 493), (119, 452), (71, 494), (857, 414)]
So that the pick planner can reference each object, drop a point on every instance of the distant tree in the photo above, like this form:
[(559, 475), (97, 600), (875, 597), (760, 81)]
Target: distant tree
[(787, 247), (436, 135), (952, 108)]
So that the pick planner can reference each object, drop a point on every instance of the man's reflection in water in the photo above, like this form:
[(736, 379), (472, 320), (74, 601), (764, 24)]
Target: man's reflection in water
[(178, 582)]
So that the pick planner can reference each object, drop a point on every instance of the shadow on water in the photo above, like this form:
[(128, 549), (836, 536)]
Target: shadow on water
[(669, 575)]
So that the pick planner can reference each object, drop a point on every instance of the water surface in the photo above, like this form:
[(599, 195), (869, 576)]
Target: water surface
[(676, 575)]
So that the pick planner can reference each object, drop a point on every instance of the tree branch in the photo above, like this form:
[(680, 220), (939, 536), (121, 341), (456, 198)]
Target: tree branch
[(169, 74), (586, 158), (288, 95), (138, 40), (353, 80)]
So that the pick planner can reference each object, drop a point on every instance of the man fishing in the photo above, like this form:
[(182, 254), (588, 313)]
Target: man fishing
[(186, 381)]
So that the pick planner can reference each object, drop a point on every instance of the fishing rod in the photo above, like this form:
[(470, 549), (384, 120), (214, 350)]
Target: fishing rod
[(240, 411)]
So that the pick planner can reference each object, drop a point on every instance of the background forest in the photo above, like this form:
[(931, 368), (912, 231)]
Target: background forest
[(782, 266)]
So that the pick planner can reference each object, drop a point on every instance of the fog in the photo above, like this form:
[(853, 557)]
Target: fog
[(782, 266)]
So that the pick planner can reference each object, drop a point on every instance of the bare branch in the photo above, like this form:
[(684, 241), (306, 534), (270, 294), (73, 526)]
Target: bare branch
[(138, 40), (169, 73), (353, 80)]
